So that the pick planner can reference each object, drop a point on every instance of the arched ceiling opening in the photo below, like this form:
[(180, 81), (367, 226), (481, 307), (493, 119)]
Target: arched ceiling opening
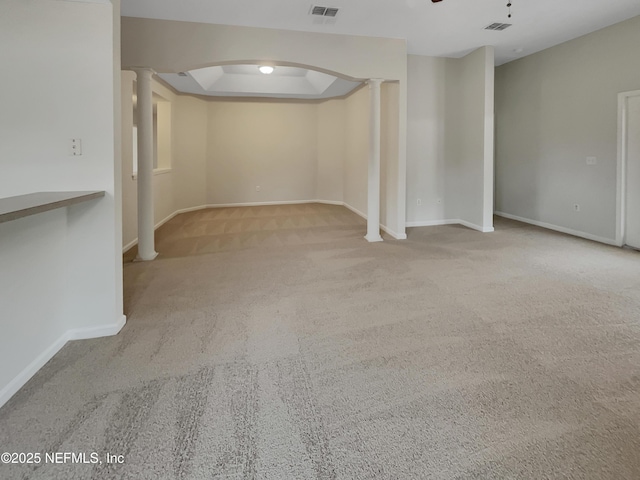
[(248, 81)]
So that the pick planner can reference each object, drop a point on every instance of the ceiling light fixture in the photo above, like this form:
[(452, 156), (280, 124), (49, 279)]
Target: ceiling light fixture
[(266, 69)]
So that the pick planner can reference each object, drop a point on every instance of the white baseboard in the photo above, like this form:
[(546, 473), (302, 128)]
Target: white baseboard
[(40, 361), (134, 242), (129, 245), (99, 331), (450, 221), (260, 204), (569, 231), (165, 220), (476, 227), (355, 210), (30, 370), (432, 223), (384, 228), (398, 236)]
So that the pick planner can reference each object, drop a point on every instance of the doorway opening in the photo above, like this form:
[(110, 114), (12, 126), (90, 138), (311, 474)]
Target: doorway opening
[(628, 188)]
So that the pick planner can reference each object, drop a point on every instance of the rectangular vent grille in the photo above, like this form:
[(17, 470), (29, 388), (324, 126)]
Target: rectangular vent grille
[(324, 11), (498, 26)]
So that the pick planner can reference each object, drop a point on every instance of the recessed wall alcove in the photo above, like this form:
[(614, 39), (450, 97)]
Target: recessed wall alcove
[(304, 136)]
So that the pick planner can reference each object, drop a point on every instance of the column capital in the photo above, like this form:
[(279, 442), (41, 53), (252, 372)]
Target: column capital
[(142, 71), (373, 82)]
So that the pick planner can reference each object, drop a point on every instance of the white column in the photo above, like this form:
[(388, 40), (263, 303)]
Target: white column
[(146, 241), (373, 192)]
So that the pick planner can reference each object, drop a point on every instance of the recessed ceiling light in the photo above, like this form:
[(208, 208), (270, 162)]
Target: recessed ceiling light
[(518, 50), (266, 69)]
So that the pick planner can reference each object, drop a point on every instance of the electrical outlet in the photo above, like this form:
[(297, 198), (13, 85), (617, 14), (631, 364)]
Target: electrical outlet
[(592, 160), (75, 147), (576, 207), (419, 201), (257, 188)]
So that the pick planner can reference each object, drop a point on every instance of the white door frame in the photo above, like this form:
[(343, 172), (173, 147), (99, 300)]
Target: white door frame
[(621, 188)]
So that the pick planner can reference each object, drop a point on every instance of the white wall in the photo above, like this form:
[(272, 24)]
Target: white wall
[(59, 270), (469, 138), (425, 140), (117, 156), (450, 140), (129, 185), (554, 109), (172, 46), (389, 150), (267, 144)]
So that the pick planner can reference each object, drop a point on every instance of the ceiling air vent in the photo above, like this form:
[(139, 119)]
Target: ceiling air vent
[(182, 74), (323, 11), (498, 26)]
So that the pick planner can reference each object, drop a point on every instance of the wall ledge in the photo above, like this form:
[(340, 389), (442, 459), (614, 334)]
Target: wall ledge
[(20, 206)]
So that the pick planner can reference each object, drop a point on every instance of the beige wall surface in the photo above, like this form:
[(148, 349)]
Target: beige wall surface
[(331, 150), (267, 144), (190, 117), (554, 109), (357, 150)]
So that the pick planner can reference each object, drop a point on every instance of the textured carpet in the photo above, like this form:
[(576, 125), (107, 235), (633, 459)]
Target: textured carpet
[(277, 343), (221, 229)]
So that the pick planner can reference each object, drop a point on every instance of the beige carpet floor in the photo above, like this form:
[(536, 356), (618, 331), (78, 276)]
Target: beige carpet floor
[(222, 229), (276, 343)]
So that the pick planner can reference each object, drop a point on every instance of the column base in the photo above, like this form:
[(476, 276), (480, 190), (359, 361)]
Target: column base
[(145, 258), (373, 238)]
